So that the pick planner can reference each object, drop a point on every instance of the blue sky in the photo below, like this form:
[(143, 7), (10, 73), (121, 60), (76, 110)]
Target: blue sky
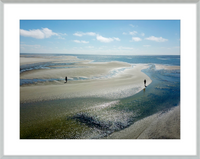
[(107, 37)]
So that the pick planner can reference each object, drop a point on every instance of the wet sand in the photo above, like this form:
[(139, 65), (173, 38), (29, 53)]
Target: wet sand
[(37, 59), (123, 84), (159, 67), (162, 125), (80, 69)]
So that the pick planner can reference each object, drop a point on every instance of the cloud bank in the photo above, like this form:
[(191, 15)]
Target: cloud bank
[(136, 39), (38, 33), (133, 32), (106, 40), (78, 41), (87, 33), (98, 37), (157, 39)]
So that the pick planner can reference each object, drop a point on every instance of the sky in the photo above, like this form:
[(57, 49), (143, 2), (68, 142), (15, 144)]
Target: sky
[(107, 37)]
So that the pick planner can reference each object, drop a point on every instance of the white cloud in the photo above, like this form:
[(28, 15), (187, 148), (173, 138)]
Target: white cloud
[(157, 39), (87, 33), (131, 25), (103, 39), (143, 34), (78, 34), (38, 34), (98, 37), (32, 33), (124, 33), (48, 33), (133, 32), (90, 33), (106, 40), (117, 39), (136, 39), (78, 41), (85, 42)]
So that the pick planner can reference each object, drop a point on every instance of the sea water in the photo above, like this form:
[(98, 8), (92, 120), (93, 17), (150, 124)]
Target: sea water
[(96, 118)]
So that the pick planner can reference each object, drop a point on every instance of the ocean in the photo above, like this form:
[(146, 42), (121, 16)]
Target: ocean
[(98, 117)]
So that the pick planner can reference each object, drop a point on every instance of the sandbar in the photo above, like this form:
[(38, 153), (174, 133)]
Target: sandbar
[(37, 59), (162, 125), (124, 84), (165, 67), (103, 79)]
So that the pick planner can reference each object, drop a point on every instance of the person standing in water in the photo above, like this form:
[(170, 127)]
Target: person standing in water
[(145, 82), (66, 79)]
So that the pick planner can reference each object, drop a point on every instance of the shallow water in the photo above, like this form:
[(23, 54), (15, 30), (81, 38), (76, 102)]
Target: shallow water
[(95, 118), (134, 59), (111, 74)]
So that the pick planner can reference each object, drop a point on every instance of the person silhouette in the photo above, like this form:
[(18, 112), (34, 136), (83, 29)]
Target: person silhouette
[(66, 79), (145, 82)]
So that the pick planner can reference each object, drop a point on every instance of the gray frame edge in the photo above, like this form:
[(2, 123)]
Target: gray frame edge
[(95, 1), (99, 1), (1, 78), (198, 78)]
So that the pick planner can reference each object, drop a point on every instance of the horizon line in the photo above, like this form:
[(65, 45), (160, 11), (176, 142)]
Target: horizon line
[(103, 54)]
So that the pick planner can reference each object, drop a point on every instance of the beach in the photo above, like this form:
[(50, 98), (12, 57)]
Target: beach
[(132, 78), (100, 100)]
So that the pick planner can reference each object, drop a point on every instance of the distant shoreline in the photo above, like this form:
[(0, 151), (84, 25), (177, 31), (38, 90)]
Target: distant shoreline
[(70, 54)]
